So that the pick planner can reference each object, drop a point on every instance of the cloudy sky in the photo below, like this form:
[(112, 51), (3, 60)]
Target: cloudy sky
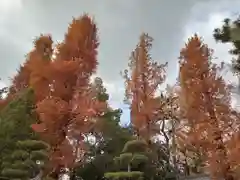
[(120, 23)]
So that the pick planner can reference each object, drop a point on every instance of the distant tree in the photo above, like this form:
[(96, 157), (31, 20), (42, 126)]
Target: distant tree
[(230, 33), (142, 82), (205, 103)]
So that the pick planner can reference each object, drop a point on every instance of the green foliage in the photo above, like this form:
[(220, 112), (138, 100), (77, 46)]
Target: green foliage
[(230, 33), (20, 154), (134, 159), (135, 146), (16, 117), (111, 138), (39, 155), (126, 157), (15, 173), (96, 168), (26, 156), (134, 155), (134, 175), (139, 159), (102, 97), (32, 145), (102, 94), (235, 33), (19, 147), (15, 120), (153, 161)]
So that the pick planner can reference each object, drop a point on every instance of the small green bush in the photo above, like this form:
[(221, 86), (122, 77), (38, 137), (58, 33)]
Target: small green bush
[(14, 173), (134, 175)]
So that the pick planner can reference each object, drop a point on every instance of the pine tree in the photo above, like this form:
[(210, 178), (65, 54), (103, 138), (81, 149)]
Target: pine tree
[(15, 120), (134, 154), (26, 161), (230, 33), (205, 104)]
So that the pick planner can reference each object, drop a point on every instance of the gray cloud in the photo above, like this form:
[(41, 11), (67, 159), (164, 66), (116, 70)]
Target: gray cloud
[(120, 24)]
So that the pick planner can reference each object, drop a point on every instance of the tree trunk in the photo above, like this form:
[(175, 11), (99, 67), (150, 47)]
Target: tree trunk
[(238, 86), (174, 148), (129, 167), (38, 177)]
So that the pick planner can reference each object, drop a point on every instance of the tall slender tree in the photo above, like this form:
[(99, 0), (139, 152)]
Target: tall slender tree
[(205, 103), (142, 82)]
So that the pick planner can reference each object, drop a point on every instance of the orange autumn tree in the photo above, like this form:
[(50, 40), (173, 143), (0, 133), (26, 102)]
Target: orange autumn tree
[(143, 79), (208, 120), (71, 108)]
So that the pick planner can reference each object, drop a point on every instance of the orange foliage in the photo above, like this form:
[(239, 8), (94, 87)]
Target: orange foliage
[(208, 121), (21, 80), (69, 107), (145, 78), (80, 44), (33, 73), (38, 64)]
